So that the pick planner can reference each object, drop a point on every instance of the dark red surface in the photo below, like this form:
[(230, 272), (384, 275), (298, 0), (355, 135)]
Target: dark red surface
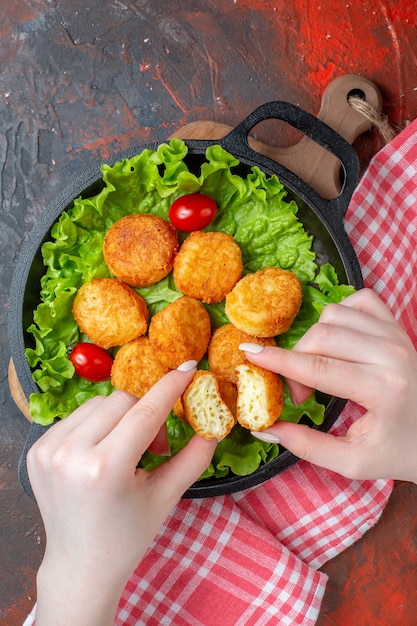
[(81, 80)]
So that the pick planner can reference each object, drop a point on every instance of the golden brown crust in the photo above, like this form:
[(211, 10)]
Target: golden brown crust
[(136, 367), (223, 351), (264, 304), (140, 249), (178, 410), (110, 312), (180, 332), (208, 266), (260, 398), (205, 410), (228, 392)]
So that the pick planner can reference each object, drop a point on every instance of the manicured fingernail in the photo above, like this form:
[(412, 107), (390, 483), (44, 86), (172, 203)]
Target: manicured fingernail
[(253, 348), (264, 435), (187, 366)]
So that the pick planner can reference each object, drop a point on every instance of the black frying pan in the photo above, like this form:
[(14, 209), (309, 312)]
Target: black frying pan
[(321, 217)]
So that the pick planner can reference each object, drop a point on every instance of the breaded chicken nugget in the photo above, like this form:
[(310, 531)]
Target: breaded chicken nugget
[(136, 367), (140, 249), (208, 266), (227, 391), (264, 304), (260, 397), (223, 351), (110, 312), (205, 409), (178, 410), (180, 332)]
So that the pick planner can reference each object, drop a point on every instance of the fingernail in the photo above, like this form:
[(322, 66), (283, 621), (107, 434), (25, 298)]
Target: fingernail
[(253, 348), (160, 450), (294, 401), (264, 435), (187, 366)]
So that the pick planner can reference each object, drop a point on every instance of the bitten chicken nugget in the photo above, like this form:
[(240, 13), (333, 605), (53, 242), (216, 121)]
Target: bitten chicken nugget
[(180, 332), (208, 266), (264, 304), (136, 367), (205, 410), (260, 397), (223, 351), (178, 410), (110, 312), (140, 249), (227, 391)]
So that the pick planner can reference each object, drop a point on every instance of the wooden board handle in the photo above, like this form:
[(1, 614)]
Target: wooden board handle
[(17, 391), (318, 167)]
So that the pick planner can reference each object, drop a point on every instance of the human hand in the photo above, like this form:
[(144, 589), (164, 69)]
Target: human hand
[(100, 512), (356, 351)]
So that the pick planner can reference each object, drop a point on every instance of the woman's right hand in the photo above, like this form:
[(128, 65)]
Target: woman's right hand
[(357, 351)]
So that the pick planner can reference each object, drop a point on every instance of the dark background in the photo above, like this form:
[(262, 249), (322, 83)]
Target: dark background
[(80, 81)]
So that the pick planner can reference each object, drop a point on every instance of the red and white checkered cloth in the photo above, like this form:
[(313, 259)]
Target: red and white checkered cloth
[(252, 558)]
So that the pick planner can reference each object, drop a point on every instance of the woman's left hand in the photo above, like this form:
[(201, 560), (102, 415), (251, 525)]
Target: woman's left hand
[(100, 512)]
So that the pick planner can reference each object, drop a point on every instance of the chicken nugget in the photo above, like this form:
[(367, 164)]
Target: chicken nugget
[(180, 332), (205, 410), (178, 410), (140, 249), (208, 266), (260, 397), (227, 391), (264, 304), (136, 367), (223, 351), (110, 312)]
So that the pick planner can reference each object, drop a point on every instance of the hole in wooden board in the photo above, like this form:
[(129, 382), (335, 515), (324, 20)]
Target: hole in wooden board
[(276, 133)]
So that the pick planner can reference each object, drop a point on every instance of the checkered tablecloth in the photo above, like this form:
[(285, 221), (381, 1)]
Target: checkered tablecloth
[(252, 558)]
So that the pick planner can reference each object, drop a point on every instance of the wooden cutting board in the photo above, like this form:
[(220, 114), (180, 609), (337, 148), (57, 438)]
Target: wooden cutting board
[(310, 161)]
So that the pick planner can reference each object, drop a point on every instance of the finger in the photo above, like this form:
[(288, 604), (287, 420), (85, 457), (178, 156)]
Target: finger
[(344, 343), (345, 316), (62, 429), (339, 378), (339, 454), (369, 302), (142, 422), (102, 421), (160, 445), (173, 478), (81, 413), (100, 418), (299, 393)]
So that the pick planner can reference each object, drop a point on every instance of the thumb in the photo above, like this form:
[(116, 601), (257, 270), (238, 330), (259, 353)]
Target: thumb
[(180, 472), (322, 449)]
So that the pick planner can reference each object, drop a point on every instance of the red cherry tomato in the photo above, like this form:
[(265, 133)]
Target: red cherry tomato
[(91, 362), (194, 211)]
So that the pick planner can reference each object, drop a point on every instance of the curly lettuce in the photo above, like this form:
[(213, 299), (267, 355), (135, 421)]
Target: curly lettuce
[(252, 208)]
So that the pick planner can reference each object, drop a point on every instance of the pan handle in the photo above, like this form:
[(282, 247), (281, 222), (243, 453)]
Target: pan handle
[(237, 142)]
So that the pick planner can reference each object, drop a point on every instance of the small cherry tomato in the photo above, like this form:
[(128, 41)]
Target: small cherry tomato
[(91, 362), (194, 211)]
